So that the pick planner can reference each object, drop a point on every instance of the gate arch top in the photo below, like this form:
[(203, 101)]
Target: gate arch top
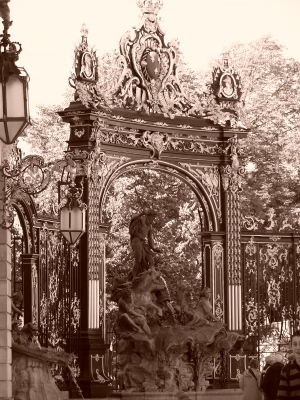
[(142, 112), (211, 221)]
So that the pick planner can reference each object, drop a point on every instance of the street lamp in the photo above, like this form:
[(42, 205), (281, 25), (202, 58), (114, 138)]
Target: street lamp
[(72, 210), (14, 112)]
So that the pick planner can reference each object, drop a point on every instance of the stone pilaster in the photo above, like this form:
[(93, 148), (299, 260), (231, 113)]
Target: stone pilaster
[(5, 306)]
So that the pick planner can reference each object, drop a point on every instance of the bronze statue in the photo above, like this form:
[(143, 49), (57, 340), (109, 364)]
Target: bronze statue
[(140, 230)]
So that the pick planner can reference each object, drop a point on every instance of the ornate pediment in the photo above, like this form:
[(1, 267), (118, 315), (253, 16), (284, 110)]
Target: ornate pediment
[(144, 76), (152, 82)]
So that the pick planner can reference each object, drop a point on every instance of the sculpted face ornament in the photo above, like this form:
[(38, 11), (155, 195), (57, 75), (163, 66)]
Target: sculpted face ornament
[(227, 86)]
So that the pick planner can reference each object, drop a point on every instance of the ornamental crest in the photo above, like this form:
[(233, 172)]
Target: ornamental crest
[(151, 82)]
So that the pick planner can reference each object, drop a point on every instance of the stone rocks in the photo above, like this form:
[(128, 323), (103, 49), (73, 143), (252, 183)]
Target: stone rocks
[(156, 353)]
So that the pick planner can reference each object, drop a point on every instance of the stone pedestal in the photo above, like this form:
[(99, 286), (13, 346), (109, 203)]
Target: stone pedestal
[(222, 394), (31, 374)]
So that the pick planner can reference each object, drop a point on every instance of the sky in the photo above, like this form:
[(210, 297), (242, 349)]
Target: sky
[(49, 30)]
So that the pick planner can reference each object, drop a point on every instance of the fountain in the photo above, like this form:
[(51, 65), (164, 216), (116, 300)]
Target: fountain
[(162, 349)]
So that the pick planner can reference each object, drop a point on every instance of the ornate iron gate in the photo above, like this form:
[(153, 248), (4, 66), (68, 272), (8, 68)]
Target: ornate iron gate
[(271, 290), (59, 290), (44, 266)]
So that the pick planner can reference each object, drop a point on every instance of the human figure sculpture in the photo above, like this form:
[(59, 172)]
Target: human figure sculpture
[(182, 308), (227, 89), (16, 304), (129, 317), (203, 312), (140, 230)]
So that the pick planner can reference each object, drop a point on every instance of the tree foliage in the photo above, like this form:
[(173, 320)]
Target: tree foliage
[(176, 227), (270, 108), (47, 134)]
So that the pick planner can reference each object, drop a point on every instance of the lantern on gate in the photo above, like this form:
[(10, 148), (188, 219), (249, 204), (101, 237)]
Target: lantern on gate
[(72, 211)]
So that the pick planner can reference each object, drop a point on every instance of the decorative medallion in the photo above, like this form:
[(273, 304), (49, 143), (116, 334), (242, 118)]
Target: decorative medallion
[(85, 59), (226, 85)]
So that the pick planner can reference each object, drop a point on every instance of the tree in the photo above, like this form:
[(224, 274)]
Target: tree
[(176, 227), (47, 134), (270, 108)]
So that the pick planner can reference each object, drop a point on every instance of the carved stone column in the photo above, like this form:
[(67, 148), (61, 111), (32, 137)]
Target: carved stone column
[(30, 285), (5, 310), (5, 302)]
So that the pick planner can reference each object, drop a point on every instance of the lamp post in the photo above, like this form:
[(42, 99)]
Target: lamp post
[(14, 112)]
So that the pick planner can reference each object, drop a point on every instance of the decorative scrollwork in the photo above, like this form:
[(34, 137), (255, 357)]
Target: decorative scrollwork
[(75, 313), (157, 141), (53, 287), (273, 292), (251, 316)]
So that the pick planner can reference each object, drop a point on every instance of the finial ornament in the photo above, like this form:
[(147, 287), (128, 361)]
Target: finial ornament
[(5, 13), (150, 6), (85, 59), (84, 31)]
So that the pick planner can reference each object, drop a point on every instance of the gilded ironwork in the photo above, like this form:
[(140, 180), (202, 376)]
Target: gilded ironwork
[(156, 141), (272, 222)]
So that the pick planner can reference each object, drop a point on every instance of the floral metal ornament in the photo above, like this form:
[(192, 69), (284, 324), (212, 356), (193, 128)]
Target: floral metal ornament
[(156, 142)]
